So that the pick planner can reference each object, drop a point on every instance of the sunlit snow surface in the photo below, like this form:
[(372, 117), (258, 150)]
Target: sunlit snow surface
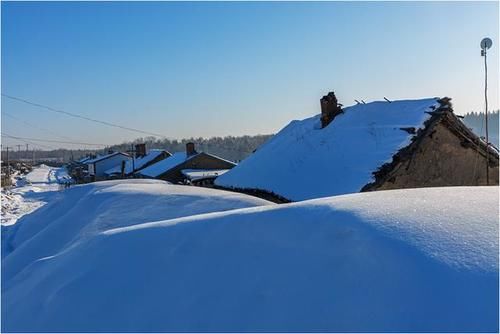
[(303, 161), (31, 192), (402, 260)]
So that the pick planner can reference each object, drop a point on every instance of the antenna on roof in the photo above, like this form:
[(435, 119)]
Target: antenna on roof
[(363, 102), (486, 43), (385, 98), (357, 102)]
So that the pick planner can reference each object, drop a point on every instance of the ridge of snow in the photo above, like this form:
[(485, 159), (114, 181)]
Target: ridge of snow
[(84, 210), (303, 161), (413, 260)]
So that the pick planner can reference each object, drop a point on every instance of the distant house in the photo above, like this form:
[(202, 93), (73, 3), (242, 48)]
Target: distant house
[(171, 168), (141, 160), (373, 146), (84, 160), (202, 177), (98, 166), (78, 169)]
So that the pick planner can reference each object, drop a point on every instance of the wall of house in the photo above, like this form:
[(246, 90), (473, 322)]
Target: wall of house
[(103, 165), (441, 160), (200, 161)]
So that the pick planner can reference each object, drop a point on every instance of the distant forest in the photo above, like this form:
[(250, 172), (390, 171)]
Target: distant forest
[(234, 148), (230, 147), (475, 121)]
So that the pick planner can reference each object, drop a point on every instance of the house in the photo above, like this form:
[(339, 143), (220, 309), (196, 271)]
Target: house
[(141, 160), (373, 146), (170, 169), (202, 177), (98, 166)]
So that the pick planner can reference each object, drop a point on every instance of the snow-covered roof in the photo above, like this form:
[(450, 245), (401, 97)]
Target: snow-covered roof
[(103, 157), (138, 163), (84, 160), (197, 174), (304, 161), (164, 165)]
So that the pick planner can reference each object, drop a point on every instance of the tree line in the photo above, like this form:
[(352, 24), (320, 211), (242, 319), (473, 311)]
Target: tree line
[(476, 122), (234, 148)]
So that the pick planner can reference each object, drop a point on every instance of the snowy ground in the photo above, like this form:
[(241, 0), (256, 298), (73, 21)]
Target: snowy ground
[(110, 259), (31, 192)]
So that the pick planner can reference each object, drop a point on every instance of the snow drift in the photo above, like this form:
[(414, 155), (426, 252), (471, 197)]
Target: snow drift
[(402, 260), (83, 211), (303, 161)]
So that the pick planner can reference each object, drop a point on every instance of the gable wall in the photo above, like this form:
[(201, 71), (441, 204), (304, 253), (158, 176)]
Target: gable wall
[(441, 160), (105, 164)]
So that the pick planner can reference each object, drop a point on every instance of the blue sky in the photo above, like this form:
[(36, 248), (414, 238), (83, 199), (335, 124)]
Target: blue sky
[(215, 69)]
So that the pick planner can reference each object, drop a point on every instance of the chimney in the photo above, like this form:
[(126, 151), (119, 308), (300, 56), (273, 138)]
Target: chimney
[(140, 150), (190, 150), (330, 108)]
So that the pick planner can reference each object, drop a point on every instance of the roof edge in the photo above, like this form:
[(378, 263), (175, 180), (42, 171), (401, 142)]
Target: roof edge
[(444, 113)]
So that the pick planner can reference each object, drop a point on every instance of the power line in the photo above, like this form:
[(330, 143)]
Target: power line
[(81, 116), (35, 126), (51, 141), (36, 144)]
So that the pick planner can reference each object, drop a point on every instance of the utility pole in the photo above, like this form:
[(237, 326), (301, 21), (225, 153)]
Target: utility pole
[(485, 45), (8, 165)]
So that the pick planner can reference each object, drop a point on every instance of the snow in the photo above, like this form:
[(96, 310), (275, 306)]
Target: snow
[(84, 210), (31, 192), (304, 161), (196, 174), (106, 156), (413, 260), (138, 163), (164, 165)]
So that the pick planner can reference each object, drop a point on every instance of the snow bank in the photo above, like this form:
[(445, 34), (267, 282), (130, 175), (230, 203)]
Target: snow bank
[(304, 161), (82, 211), (404, 260), (31, 192)]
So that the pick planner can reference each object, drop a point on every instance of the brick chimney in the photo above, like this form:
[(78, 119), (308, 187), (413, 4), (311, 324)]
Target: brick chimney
[(330, 108), (190, 150), (140, 150)]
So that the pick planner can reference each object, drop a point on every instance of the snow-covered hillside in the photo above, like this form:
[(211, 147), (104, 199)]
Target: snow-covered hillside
[(304, 161), (404, 260)]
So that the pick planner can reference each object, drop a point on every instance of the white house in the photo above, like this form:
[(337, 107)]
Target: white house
[(98, 166)]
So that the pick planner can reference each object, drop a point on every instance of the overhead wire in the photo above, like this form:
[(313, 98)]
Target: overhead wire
[(81, 116), (52, 141), (36, 126)]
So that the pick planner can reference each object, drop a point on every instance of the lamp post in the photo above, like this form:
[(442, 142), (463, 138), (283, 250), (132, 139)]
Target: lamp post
[(485, 45)]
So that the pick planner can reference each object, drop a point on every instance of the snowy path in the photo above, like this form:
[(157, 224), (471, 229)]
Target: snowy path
[(31, 192)]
